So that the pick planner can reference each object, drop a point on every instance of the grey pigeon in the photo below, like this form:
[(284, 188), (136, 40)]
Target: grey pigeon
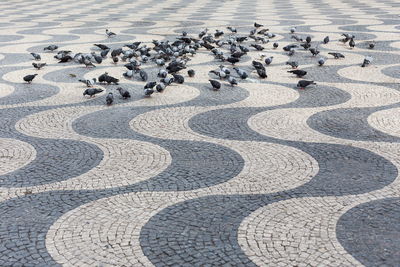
[(268, 60), (242, 74), (102, 47), (51, 47), (191, 73), (124, 93), (36, 56), (371, 45), (150, 85), (109, 99), (293, 64), (143, 75), (215, 84), (38, 65), (304, 83), (160, 87), (326, 40), (232, 81), (178, 78), (29, 78), (148, 91), (89, 82), (352, 44), (299, 73), (321, 61), (336, 55), (92, 91), (367, 61), (104, 53), (109, 33)]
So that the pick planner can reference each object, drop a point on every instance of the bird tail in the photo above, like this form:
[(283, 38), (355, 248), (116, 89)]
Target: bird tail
[(82, 81)]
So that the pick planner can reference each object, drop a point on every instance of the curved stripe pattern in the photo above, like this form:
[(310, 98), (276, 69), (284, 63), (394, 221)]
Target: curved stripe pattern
[(258, 174)]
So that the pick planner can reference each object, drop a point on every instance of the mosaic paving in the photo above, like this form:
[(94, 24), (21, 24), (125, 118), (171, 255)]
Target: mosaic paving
[(260, 174)]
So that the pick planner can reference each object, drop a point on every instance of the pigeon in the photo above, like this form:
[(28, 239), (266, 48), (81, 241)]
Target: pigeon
[(321, 61), (262, 73), (148, 91), (268, 60), (257, 25), (232, 60), (97, 58), (293, 64), (367, 61), (92, 91), (308, 39), (257, 64), (65, 59), (304, 83), (88, 63), (109, 99), (257, 47), (336, 55), (29, 78), (238, 54), (241, 39), (51, 47), (160, 62), (314, 51), (218, 33), (289, 47), (221, 74), (293, 30), (36, 56), (110, 34), (242, 74), (109, 79), (352, 44), (232, 81), (347, 37), (306, 45), (371, 45), (89, 82), (167, 80), (232, 29), (134, 45), (326, 40), (124, 93), (150, 85), (160, 87), (143, 75), (38, 65), (224, 69), (298, 39), (116, 52), (299, 73), (102, 47), (275, 45), (162, 73), (191, 73), (128, 74), (115, 60), (104, 53), (178, 78), (215, 84)]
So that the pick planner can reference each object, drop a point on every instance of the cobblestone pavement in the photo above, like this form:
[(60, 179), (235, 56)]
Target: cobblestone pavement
[(258, 174)]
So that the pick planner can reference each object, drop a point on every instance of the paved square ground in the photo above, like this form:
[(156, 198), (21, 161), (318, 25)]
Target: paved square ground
[(262, 173)]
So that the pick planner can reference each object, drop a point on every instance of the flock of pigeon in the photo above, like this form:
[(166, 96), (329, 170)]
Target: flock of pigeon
[(172, 57)]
